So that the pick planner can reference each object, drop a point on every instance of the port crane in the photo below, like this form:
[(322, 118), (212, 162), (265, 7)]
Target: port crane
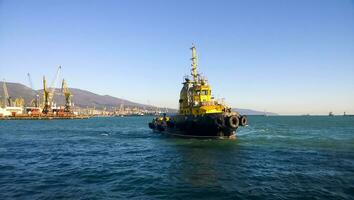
[(52, 86), (7, 98), (48, 95), (19, 102), (8, 102), (46, 106), (67, 95), (35, 101)]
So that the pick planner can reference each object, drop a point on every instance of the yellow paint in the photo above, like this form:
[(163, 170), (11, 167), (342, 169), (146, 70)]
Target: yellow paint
[(195, 96), (45, 92), (19, 102)]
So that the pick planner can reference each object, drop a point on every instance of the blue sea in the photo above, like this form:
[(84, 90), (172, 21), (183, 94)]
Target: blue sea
[(120, 158)]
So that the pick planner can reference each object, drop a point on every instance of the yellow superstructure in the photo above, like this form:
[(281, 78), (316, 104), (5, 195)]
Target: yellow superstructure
[(196, 97)]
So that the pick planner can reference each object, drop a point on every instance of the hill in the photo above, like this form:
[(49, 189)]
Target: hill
[(16, 90), (83, 99), (252, 112)]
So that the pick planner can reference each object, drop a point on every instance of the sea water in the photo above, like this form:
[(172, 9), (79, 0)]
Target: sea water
[(121, 158)]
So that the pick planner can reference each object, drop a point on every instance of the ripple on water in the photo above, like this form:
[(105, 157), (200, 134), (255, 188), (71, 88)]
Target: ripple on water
[(110, 158)]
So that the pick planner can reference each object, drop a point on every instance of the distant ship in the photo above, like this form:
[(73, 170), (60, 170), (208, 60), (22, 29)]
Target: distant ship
[(199, 115), (346, 115), (331, 114)]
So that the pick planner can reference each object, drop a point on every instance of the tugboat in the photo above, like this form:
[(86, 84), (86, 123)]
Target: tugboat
[(199, 115)]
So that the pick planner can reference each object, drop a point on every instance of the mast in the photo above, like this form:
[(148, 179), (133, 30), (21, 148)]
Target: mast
[(194, 65)]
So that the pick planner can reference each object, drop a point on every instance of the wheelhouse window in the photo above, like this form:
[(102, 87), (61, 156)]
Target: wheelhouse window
[(204, 92)]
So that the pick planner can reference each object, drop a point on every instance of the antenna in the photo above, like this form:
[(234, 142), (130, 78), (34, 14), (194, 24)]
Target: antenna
[(194, 65)]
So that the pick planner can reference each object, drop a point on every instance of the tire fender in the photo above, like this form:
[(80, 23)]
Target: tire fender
[(243, 120), (233, 122)]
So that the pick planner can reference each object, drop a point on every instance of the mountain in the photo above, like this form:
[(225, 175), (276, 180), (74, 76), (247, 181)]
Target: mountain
[(16, 90), (83, 99), (252, 112)]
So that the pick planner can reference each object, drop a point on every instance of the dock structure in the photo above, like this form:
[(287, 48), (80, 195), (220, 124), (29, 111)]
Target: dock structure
[(43, 117), (46, 110)]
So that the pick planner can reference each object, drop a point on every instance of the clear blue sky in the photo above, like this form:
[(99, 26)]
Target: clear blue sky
[(289, 57)]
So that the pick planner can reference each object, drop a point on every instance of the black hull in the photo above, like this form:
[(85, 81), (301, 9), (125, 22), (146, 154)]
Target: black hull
[(206, 126)]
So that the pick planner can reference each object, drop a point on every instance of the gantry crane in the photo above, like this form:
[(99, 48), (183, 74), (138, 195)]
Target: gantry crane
[(67, 95), (7, 98)]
